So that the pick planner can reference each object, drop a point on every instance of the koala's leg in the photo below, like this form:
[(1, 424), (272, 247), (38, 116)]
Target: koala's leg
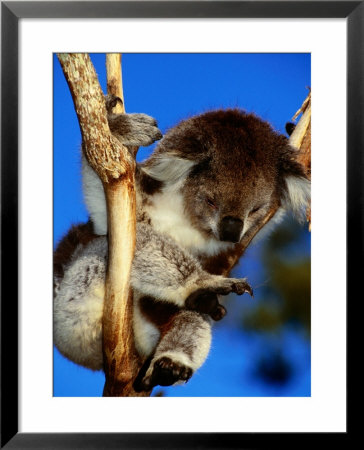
[(78, 306), (183, 348), (165, 271)]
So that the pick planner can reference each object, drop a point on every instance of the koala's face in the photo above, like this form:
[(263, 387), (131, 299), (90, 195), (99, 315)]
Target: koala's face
[(232, 169), (228, 202)]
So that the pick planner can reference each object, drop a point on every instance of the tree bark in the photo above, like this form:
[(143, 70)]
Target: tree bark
[(114, 80), (116, 168), (122, 362), (301, 139)]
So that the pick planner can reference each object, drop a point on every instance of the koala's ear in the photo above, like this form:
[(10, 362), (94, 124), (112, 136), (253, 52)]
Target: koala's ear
[(296, 194), (168, 168)]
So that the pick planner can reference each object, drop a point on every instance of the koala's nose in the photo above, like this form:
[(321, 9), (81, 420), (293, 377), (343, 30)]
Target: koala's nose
[(230, 229)]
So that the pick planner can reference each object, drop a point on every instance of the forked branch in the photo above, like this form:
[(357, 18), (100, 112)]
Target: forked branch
[(116, 167)]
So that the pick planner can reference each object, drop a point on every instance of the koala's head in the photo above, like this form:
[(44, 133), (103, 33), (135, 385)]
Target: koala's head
[(232, 168)]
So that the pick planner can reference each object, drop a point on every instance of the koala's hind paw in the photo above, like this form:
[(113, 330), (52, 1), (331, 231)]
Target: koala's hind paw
[(164, 372)]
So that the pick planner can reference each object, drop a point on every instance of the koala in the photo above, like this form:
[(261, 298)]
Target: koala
[(210, 183)]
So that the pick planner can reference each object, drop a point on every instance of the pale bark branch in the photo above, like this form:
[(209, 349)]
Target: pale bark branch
[(116, 168), (103, 151), (301, 139), (114, 80), (303, 125), (121, 360)]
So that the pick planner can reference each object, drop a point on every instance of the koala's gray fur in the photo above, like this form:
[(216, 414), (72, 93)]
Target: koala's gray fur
[(211, 181)]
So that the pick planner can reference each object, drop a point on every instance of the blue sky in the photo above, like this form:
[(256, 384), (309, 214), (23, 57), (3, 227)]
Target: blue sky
[(171, 87)]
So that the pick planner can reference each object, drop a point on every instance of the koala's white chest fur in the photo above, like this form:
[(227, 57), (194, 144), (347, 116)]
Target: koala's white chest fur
[(168, 217)]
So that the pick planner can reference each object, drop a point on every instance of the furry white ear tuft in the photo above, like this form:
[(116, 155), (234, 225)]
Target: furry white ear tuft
[(298, 195), (169, 168)]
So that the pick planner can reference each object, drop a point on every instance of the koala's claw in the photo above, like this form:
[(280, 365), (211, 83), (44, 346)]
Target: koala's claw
[(165, 372), (111, 101), (241, 286), (237, 285)]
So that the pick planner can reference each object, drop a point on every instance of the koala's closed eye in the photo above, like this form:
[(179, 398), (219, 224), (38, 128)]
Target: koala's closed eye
[(211, 203), (255, 210)]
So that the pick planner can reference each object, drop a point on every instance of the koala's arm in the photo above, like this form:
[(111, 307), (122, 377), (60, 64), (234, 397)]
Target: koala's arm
[(163, 270), (133, 131)]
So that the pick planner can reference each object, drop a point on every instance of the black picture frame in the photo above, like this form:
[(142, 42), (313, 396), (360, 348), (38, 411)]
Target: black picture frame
[(11, 12)]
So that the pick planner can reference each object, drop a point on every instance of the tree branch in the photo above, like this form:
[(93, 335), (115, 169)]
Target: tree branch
[(301, 139), (116, 167), (114, 80), (122, 362)]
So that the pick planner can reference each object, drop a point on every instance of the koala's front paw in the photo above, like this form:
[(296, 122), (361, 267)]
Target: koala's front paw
[(206, 301), (164, 372), (134, 130), (237, 285)]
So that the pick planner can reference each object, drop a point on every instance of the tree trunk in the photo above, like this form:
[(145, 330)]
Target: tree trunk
[(116, 168), (121, 360)]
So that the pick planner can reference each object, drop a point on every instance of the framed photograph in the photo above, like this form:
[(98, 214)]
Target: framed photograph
[(286, 372), (274, 362)]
